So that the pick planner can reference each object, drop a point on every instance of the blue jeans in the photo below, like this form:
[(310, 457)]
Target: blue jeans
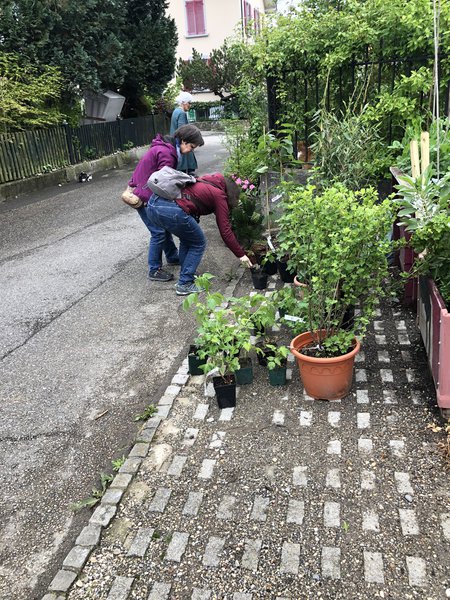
[(166, 215), (167, 244)]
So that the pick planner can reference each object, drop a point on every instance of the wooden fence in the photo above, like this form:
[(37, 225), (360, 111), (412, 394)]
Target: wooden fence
[(28, 153)]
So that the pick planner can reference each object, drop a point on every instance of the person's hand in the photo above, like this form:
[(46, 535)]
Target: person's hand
[(246, 261)]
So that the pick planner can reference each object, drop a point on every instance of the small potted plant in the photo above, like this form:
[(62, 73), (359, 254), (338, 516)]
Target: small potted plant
[(262, 314), (338, 240), (221, 337), (259, 277), (276, 364)]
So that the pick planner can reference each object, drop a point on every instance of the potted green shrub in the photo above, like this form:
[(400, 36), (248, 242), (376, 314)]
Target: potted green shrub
[(338, 241), (277, 363), (221, 337)]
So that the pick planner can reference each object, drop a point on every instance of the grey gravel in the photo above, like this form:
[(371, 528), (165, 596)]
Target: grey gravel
[(287, 497)]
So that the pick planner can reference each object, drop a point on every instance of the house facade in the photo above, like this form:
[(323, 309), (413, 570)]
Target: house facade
[(205, 24)]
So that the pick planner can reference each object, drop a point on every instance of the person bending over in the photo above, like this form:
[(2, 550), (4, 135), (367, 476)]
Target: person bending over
[(211, 194), (163, 152)]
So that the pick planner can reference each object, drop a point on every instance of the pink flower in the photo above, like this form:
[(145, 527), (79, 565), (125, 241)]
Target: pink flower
[(246, 182), (238, 181), (252, 187), (244, 187)]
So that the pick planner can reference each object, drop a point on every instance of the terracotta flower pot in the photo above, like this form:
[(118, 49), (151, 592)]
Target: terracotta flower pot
[(301, 287), (324, 378)]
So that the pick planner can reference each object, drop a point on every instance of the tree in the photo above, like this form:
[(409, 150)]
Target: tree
[(27, 94), (81, 38), (150, 41), (220, 73), (96, 44)]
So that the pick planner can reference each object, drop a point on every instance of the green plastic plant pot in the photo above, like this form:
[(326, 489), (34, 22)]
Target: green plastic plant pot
[(194, 362), (244, 375), (277, 376)]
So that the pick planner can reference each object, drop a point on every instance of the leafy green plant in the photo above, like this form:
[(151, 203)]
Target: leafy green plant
[(422, 198), (338, 241), (223, 332), (96, 494), (118, 462), (347, 150), (292, 310), (247, 222), (89, 153), (262, 313), (438, 130), (277, 356), (425, 213), (147, 413)]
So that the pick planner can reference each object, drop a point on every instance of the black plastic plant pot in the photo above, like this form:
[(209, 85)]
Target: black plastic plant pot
[(277, 376), (285, 275), (225, 391), (259, 278), (194, 361), (244, 375), (270, 267)]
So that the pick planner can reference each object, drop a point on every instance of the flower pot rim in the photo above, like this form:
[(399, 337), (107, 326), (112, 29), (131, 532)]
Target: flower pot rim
[(298, 283), (300, 341)]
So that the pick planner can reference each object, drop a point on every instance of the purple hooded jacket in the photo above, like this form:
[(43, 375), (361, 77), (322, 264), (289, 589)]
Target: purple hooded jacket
[(160, 154)]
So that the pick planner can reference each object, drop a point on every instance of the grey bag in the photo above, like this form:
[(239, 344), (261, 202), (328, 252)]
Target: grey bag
[(168, 183)]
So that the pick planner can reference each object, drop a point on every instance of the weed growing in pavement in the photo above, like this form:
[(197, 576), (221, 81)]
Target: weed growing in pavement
[(345, 526), (148, 412), (96, 494), (118, 462)]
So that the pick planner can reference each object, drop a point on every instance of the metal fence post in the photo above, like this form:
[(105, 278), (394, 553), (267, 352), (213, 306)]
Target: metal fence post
[(68, 132), (119, 131)]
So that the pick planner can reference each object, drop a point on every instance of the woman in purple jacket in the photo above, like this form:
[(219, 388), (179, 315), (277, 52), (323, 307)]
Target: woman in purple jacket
[(163, 152)]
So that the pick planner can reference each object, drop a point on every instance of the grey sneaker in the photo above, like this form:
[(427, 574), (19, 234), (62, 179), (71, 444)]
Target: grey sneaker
[(160, 275), (187, 288)]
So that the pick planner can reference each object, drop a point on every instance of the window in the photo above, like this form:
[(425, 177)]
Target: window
[(256, 20), (195, 17), (247, 13)]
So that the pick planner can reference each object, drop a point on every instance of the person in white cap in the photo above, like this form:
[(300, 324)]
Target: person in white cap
[(187, 162)]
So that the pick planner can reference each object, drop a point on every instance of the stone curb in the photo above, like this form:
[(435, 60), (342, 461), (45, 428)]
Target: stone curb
[(90, 536)]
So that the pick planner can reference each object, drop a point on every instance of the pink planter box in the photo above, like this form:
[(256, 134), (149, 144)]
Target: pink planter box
[(405, 258), (434, 325)]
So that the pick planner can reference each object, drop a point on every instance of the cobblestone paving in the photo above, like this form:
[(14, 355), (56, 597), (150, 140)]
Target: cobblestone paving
[(282, 497)]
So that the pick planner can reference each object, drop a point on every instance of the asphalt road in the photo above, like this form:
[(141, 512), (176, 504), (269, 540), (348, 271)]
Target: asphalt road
[(86, 342)]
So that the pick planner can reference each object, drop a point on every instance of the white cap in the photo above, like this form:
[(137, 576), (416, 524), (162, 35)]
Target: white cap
[(184, 97)]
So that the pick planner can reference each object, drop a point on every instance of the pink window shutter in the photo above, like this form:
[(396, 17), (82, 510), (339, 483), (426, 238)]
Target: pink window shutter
[(245, 13), (199, 16), (190, 17), (256, 20)]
